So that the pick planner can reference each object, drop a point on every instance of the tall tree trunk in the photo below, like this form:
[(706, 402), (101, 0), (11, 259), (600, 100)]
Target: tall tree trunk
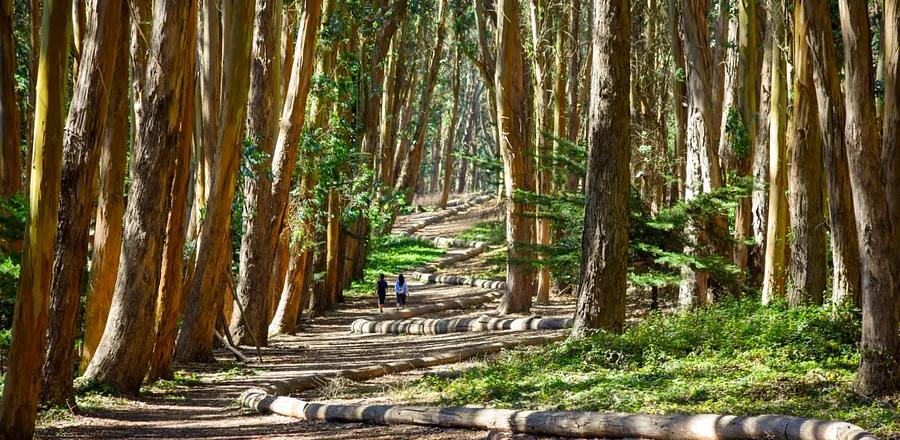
[(210, 40), (830, 100), (513, 114), (774, 271), (290, 303), (141, 27), (436, 158), (679, 100), (122, 355), (541, 31), (10, 137), (601, 295), (450, 138), (257, 258), (18, 408), (213, 259), (81, 150), (392, 15), (807, 265), (879, 366), (110, 206), (760, 167), (409, 174), (890, 153), (572, 87), (747, 106), (171, 288), (332, 247), (702, 163)]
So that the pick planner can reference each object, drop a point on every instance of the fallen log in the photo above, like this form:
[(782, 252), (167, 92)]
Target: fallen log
[(456, 325), (572, 423), (251, 398)]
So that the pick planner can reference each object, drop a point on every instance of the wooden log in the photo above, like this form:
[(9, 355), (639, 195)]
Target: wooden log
[(230, 347), (251, 398), (459, 281), (456, 325), (447, 304), (570, 423)]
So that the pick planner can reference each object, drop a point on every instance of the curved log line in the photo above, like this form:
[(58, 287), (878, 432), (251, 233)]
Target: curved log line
[(567, 423), (456, 325)]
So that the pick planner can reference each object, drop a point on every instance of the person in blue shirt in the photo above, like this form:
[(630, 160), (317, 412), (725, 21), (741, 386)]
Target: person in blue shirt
[(381, 291), (402, 291)]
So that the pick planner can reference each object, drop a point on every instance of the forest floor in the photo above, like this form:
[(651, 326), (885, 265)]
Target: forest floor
[(202, 401)]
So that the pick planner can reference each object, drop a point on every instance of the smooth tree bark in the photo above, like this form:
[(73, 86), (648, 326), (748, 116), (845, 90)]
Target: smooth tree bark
[(213, 259), (702, 172), (879, 366), (409, 173), (110, 206), (808, 245), (604, 243), (845, 249), (123, 353), (256, 260), (513, 115), (209, 57), (10, 136), (542, 25), (18, 408), (774, 269), (450, 137), (759, 200), (81, 150), (169, 299), (332, 248)]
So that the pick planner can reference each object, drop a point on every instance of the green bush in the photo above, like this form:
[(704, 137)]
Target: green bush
[(736, 358)]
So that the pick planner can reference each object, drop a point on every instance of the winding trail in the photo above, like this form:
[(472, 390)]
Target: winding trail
[(210, 409)]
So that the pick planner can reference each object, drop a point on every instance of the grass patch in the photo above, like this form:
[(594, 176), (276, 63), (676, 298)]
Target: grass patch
[(736, 358), (391, 255), (492, 233)]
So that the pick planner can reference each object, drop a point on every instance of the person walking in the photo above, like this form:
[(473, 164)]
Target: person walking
[(381, 290), (402, 291)]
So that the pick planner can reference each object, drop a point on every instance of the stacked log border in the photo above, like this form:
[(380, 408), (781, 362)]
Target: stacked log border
[(570, 423), (456, 325), (254, 398)]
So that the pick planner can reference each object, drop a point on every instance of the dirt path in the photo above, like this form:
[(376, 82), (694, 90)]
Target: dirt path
[(207, 407)]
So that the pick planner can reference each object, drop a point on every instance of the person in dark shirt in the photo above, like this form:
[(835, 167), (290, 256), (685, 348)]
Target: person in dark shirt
[(381, 291)]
